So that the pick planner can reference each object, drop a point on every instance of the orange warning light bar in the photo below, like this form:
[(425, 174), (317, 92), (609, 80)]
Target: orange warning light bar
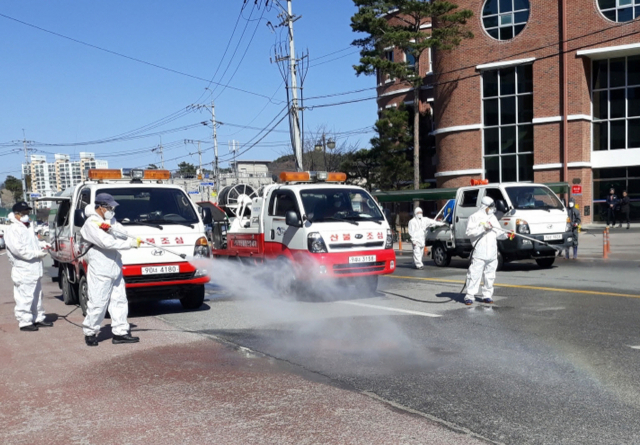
[(104, 173), (295, 177), (336, 177), (479, 181), (157, 174)]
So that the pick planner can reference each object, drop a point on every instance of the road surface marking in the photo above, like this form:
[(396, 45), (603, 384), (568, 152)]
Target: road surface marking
[(634, 347), (520, 286), (385, 308)]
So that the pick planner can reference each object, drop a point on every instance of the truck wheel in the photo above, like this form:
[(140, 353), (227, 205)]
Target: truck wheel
[(194, 299), (69, 291), (83, 294), (500, 261), (545, 263), (440, 256), (368, 284)]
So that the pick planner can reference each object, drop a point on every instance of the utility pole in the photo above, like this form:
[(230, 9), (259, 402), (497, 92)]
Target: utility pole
[(25, 144), (216, 172), (233, 147), (160, 148)]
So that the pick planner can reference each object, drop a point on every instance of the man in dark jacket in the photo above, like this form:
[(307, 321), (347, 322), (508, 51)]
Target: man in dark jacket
[(574, 221), (612, 203), (625, 209)]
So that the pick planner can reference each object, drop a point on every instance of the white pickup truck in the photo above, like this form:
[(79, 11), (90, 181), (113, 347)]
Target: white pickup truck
[(533, 210)]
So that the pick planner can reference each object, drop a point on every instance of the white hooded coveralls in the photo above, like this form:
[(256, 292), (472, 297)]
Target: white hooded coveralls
[(25, 255), (483, 231), (104, 277), (418, 226)]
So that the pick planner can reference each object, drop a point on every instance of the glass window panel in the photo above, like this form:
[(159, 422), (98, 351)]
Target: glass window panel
[(633, 127), (606, 4), (491, 112), (492, 141), (495, 33), (609, 173), (525, 138), (600, 105), (600, 136), (637, 11), (490, 7), (492, 169), (625, 15), (633, 102), (611, 14), (525, 108), (633, 172), (616, 72), (525, 167), (508, 110), (506, 6), (521, 17), (525, 79), (490, 22), (617, 103), (490, 83), (508, 141), (506, 33), (506, 19), (600, 74), (521, 4), (517, 29), (633, 70), (509, 168), (507, 81), (625, 2), (618, 133)]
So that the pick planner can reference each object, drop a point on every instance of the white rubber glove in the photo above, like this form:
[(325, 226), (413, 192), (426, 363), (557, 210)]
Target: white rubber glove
[(135, 243)]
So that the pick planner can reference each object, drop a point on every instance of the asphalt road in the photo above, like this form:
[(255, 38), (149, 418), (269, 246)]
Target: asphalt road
[(553, 361)]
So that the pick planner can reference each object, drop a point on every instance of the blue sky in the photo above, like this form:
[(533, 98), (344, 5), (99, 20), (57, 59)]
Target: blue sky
[(62, 92)]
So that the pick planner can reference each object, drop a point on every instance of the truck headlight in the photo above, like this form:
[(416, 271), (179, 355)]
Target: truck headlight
[(389, 243), (200, 273), (316, 243), (202, 248), (522, 226)]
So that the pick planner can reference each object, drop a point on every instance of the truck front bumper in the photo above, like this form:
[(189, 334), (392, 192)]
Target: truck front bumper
[(522, 248), (311, 266), (188, 275)]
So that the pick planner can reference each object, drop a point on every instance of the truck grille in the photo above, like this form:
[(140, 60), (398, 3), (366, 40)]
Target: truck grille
[(135, 279), (351, 245), (339, 269)]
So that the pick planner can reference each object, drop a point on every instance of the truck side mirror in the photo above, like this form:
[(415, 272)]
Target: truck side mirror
[(79, 218), (207, 216), (501, 206), (291, 219)]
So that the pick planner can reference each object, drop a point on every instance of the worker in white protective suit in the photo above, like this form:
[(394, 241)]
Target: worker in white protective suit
[(418, 226), (484, 231), (25, 254), (104, 277)]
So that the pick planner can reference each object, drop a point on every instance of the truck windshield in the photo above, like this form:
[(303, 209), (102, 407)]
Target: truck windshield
[(323, 205), (533, 198), (152, 205)]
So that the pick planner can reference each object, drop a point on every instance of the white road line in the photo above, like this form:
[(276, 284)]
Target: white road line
[(385, 308), (634, 347), (3, 253)]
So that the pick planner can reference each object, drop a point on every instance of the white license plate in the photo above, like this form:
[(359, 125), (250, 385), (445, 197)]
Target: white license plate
[(362, 259), (552, 237), (160, 269)]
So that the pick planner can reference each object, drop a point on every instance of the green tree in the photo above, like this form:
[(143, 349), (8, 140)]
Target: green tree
[(14, 185), (186, 168), (402, 30)]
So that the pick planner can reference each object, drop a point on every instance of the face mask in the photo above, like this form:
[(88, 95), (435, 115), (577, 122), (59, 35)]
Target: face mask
[(491, 211), (24, 218), (419, 216), (109, 214), (571, 205)]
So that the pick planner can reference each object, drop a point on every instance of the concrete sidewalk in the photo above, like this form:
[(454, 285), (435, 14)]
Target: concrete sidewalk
[(625, 244), (175, 387)]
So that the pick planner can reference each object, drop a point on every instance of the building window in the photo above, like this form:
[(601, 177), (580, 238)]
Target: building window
[(508, 130), (616, 103), (620, 179), (410, 59), (620, 10), (505, 19)]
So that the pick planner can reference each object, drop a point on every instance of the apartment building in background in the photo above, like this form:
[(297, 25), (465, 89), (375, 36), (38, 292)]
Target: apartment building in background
[(546, 91)]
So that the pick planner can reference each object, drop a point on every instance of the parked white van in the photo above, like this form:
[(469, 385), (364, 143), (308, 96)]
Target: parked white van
[(530, 209)]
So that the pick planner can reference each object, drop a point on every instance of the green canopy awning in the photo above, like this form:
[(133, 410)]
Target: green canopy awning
[(442, 194)]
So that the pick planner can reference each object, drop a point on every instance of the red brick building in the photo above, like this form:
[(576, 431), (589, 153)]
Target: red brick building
[(542, 94)]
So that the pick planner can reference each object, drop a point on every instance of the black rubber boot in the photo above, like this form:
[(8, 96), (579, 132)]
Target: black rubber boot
[(119, 339), (91, 340), (29, 328)]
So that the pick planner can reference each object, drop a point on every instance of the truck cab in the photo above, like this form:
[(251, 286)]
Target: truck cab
[(317, 227), (533, 210), (158, 213)]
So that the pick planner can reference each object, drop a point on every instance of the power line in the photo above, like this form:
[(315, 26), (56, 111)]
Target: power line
[(135, 59)]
